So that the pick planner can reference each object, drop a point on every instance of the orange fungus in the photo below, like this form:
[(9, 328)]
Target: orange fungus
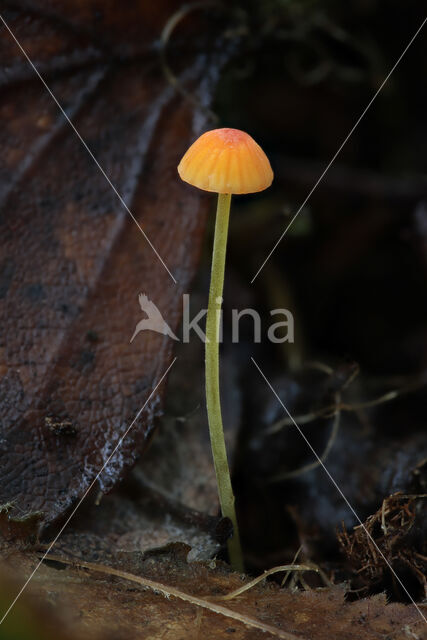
[(226, 161)]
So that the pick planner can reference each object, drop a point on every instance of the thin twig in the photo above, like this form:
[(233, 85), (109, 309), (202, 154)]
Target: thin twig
[(266, 574), (330, 410), (165, 37), (313, 465), (288, 573)]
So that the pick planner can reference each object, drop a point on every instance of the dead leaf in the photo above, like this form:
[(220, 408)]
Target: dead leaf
[(72, 260), (180, 600)]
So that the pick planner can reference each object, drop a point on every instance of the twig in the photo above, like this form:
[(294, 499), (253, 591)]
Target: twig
[(270, 572), (165, 36), (331, 409), (288, 573), (313, 465)]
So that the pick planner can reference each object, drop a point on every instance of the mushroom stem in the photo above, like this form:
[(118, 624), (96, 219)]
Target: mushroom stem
[(225, 490)]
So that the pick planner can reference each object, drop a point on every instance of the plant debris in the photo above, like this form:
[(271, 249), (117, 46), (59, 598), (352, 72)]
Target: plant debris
[(169, 598), (399, 529)]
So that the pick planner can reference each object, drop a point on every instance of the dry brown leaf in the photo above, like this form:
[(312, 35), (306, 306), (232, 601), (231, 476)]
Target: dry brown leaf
[(72, 260), (101, 598)]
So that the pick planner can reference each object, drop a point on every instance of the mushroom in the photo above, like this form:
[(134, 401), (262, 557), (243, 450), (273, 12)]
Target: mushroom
[(224, 161)]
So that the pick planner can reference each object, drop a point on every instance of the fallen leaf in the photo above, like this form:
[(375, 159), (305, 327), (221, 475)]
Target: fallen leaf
[(169, 598), (72, 259)]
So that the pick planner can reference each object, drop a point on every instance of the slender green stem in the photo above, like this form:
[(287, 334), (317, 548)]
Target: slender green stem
[(225, 490)]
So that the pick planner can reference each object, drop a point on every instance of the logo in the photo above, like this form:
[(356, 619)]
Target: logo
[(154, 320), (278, 332)]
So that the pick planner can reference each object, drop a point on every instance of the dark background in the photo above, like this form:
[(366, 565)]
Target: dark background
[(352, 268)]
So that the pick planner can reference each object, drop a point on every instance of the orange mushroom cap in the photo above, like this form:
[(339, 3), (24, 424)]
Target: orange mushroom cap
[(226, 161)]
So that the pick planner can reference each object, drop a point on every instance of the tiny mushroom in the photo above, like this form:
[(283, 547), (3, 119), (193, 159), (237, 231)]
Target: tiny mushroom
[(224, 161)]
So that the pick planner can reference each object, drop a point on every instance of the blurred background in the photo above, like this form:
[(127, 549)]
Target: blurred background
[(351, 268)]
